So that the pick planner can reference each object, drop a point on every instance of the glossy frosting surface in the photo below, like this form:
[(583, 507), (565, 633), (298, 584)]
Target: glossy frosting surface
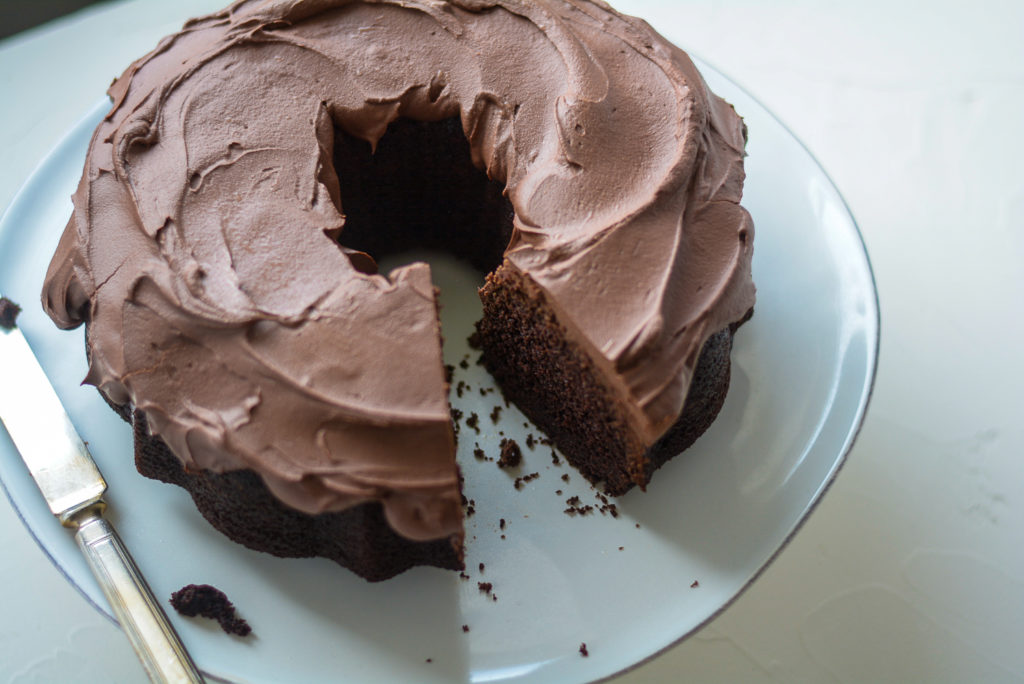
[(202, 248)]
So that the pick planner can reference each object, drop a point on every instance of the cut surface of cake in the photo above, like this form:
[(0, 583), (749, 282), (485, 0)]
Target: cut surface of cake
[(254, 166)]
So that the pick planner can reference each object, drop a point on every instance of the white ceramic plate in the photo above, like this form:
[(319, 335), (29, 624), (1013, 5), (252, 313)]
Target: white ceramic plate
[(628, 587)]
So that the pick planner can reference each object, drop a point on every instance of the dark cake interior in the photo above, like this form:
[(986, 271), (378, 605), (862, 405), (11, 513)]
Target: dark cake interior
[(420, 189), (203, 600)]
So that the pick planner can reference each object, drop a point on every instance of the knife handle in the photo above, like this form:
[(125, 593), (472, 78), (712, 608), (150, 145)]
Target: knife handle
[(155, 642)]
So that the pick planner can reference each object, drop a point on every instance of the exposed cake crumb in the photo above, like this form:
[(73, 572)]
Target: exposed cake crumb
[(501, 524), (558, 492), (484, 587), (209, 602), (465, 628), (464, 363), (481, 567), (496, 415), (511, 454), (554, 458), (695, 584), (479, 453), (456, 416), (473, 422), (621, 548), (460, 388), (576, 507), (583, 650), (531, 441), (474, 340), (8, 313), (565, 477), (520, 481)]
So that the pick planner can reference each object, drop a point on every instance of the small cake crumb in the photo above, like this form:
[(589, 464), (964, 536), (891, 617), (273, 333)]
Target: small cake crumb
[(565, 477), (460, 388), (583, 650), (511, 454), (473, 422), (465, 628), (576, 507), (621, 548), (449, 372), (430, 660), (487, 588), (695, 584), (481, 567), (520, 481), (464, 363), (496, 415), (554, 458), (207, 601), (501, 524), (8, 313)]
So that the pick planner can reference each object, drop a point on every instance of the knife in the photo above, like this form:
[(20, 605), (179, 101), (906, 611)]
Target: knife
[(73, 488)]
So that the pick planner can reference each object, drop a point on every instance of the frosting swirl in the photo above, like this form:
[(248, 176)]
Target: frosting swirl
[(202, 250)]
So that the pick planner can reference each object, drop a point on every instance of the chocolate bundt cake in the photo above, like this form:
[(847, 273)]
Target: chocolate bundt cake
[(254, 166)]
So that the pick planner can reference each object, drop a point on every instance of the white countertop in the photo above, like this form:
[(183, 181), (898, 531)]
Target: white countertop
[(912, 567)]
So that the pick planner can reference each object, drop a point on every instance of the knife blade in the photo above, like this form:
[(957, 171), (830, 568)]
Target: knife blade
[(73, 487)]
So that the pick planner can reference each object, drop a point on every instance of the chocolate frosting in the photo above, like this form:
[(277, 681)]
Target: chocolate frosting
[(202, 250)]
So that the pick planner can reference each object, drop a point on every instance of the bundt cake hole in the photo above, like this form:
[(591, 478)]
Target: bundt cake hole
[(419, 190)]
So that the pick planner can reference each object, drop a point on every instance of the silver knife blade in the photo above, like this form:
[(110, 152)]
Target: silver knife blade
[(73, 488), (42, 431)]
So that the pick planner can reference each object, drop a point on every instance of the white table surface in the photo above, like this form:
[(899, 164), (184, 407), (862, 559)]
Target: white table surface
[(912, 568)]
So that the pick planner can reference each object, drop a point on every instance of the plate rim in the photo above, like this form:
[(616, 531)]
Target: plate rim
[(862, 409)]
